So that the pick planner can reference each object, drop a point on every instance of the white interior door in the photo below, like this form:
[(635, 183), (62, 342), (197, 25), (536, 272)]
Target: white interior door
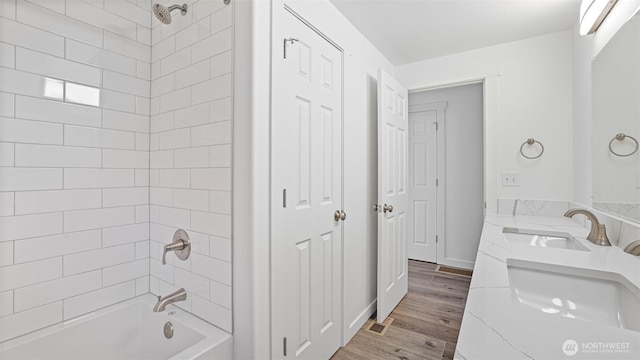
[(426, 180), (392, 194), (306, 250)]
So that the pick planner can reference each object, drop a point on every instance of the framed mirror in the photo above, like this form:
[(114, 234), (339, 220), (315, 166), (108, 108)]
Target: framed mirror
[(616, 124)]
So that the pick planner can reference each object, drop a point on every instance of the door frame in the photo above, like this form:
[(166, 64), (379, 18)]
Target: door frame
[(278, 9), (489, 138)]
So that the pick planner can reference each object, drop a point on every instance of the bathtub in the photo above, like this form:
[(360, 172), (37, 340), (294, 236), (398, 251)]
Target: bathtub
[(128, 330)]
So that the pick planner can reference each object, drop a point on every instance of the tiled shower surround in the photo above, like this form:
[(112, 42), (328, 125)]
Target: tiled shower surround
[(114, 131), (190, 144)]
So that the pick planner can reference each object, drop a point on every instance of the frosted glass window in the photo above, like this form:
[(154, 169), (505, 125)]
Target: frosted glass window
[(53, 88), (82, 94)]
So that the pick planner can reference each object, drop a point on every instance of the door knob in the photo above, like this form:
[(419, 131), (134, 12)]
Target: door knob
[(339, 215), (375, 207), (388, 208)]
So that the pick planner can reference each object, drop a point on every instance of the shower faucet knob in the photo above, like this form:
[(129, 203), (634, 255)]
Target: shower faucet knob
[(181, 245)]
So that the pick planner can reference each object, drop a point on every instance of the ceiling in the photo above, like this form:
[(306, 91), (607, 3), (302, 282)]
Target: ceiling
[(406, 31)]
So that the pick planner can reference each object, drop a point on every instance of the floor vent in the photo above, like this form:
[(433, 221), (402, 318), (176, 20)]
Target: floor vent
[(379, 329), (456, 271)]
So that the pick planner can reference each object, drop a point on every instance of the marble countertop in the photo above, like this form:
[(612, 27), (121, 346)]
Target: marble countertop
[(495, 326)]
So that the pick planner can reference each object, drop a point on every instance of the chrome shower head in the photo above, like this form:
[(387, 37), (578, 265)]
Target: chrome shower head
[(164, 14)]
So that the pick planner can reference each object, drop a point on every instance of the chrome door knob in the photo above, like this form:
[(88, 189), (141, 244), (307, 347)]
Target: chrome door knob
[(339, 215), (387, 208)]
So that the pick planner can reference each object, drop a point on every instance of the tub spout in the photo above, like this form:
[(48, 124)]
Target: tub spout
[(179, 295)]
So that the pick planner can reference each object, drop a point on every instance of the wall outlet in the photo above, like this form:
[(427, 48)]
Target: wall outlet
[(510, 179)]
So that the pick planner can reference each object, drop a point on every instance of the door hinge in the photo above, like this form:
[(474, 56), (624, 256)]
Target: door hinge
[(437, 182), (284, 198), (436, 238), (285, 41), (284, 346), (436, 126)]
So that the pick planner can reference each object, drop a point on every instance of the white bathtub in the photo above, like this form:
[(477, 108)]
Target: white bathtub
[(129, 330)]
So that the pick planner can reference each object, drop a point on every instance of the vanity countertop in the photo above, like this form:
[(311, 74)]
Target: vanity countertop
[(496, 326)]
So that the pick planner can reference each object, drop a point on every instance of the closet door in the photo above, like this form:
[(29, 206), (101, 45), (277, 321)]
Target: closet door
[(306, 196), (426, 180)]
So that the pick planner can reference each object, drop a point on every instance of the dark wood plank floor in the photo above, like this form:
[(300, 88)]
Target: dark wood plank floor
[(426, 322)]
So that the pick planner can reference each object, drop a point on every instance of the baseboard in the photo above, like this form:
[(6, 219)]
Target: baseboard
[(357, 323), (459, 264)]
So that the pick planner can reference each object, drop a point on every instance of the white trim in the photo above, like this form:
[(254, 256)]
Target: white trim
[(447, 85), (357, 323)]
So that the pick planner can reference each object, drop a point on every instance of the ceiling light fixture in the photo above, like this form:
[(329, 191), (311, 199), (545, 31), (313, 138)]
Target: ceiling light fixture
[(593, 13)]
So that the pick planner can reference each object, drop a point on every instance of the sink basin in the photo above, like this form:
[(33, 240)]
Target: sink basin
[(543, 239), (584, 294)]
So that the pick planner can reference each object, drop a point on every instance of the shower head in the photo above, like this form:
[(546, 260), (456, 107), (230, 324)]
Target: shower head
[(164, 14)]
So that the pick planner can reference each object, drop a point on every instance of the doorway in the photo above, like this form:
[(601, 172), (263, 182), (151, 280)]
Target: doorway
[(446, 171)]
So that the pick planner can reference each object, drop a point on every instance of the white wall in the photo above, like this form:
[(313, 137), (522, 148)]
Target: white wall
[(361, 61), (585, 48), (190, 169), (251, 87), (532, 99), (73, 178)]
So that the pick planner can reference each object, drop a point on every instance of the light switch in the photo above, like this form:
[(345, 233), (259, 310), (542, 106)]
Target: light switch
[(510, 179)]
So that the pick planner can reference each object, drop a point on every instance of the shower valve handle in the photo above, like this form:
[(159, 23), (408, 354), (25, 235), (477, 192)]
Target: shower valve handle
[(180, 245)]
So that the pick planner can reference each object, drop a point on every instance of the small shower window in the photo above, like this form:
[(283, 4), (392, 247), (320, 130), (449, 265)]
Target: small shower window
[(71, 92), (54, 88), (82, 94)]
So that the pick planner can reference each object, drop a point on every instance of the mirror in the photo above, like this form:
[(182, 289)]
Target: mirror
[(616, 110)]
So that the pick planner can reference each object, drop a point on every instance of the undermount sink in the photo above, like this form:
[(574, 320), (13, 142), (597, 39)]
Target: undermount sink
[(590, 295), (543, 239)]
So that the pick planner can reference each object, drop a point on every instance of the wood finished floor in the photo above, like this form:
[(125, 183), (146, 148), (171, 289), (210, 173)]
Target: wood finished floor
[(427, 321)]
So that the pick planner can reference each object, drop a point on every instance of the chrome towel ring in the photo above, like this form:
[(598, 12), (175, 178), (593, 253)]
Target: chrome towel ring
[(622, 137), (531, 141)]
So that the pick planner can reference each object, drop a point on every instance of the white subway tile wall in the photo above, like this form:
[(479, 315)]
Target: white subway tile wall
[(74, 179), (190, 162), (89, 195)]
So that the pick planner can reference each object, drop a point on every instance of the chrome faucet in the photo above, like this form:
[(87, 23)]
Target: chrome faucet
[(598, 233), (179, 295)]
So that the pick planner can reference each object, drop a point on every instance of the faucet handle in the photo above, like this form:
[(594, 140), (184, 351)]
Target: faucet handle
[(181, 245), (176, 246)]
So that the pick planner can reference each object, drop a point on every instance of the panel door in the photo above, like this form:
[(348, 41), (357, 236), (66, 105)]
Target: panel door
[(392, 194), (306, 192), (426, 126)]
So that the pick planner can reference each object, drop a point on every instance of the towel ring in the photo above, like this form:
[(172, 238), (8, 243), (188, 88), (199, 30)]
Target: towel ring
[(531, 141), (621, 137)]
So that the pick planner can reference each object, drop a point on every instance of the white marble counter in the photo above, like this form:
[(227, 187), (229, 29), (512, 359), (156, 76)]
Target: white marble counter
[(495, 326)]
